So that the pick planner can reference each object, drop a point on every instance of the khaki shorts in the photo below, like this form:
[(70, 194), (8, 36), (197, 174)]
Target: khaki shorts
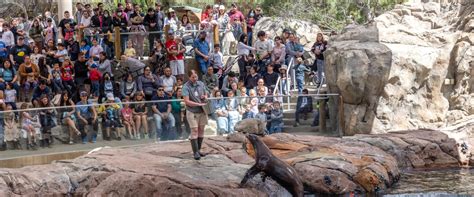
[(196, 119)]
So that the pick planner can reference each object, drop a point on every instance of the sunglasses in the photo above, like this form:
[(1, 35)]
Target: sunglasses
[(161, 90)]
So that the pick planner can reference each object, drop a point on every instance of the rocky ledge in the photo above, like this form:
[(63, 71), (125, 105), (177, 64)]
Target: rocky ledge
[(360, 163)]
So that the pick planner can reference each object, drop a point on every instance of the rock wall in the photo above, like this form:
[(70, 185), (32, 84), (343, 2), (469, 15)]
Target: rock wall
[(274, 26), (412, 67), (360, 164)]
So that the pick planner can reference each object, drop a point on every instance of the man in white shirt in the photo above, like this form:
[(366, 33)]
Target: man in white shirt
[(263, 51), (168, 81)]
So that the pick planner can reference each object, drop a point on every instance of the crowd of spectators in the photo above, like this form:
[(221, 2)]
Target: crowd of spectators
[(70, 64)]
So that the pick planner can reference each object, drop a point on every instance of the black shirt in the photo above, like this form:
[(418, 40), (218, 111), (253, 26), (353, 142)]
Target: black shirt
[(80, 69), (321, 46), (63, 22), (19, 53), (251, 81), (270, 79), (161, 106)]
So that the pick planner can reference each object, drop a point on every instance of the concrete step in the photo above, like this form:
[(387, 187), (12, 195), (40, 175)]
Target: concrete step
[(290, 114), (291, 121), (301, 128)]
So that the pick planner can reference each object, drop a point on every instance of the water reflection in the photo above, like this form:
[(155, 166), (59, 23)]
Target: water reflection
[(452, 182)]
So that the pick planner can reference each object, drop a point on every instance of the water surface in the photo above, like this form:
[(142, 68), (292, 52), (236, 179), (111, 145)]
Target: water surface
[(449, 182)]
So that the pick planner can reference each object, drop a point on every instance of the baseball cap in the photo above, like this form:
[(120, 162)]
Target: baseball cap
[(110, 97)]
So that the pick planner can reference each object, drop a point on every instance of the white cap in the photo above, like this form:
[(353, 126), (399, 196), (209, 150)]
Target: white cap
[(221, 7), (110, 97)]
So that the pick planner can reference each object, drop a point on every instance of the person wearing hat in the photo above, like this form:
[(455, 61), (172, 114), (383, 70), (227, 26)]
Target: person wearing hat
[(109, 112), (18, 52), (283, 69), (86, 117), (175, 55), (201, 50), (172, 20), (228, 80)]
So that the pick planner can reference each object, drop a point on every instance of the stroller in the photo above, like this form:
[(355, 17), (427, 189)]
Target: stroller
[(130, 65)]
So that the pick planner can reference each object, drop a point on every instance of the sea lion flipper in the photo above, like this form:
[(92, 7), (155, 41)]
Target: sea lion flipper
[(249, 175), (264, 177)]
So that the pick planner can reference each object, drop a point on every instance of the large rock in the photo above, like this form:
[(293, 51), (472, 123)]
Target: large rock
[(361, 163), (305, 31), (412, 67)]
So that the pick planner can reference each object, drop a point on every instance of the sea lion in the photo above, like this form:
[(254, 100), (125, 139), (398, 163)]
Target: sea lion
[(273, 167)]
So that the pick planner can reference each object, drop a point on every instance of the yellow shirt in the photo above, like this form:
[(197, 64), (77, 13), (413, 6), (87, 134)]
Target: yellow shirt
[(130, 52)]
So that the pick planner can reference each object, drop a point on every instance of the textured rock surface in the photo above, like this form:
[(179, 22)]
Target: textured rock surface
[(412, 67), (360, 163), (305, 31)]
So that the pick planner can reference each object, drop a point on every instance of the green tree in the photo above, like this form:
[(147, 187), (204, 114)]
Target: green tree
[(329, 14)]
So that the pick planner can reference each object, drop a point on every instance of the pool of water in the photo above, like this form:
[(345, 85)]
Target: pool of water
[(449, 182)]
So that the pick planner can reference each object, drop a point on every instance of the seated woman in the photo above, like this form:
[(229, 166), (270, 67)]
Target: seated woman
[(232, 105), (8, 75), (148, 83), (67, 115), (261, 85), (140, 111), (29, 73), (221, 114), (128, 87), (106, 86), (46, 120)]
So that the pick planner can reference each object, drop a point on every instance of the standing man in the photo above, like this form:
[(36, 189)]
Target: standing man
[(201, 49), (79, 11), (160, 17), (151, 24), (62, 24), (195, 98)]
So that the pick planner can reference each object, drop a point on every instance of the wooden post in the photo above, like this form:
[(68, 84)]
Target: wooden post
[(244, 27), (341, 117), (165, 31), (80, 35), (117, 44), (322, 115), (216, 35)]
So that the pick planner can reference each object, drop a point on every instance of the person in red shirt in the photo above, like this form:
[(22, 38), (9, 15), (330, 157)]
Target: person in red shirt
[(67, 75), (207, 13), (175, 49), (94, 76)]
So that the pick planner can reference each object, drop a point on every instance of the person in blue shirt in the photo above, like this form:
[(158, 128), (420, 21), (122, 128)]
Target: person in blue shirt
[(300, 69), (85, 48), (86, 118), (8, 75), (3, 51), (201, 49)]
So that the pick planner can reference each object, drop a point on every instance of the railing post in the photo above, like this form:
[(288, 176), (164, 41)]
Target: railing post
[(166, 29), (80, 35), (341, 116), (117, 44), (244, 26), (322, 115)]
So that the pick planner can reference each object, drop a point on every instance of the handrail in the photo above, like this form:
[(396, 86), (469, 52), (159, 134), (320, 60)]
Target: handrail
[(316, 96)]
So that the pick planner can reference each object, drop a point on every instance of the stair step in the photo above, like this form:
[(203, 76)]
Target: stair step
[(301, 128), (291, 121)]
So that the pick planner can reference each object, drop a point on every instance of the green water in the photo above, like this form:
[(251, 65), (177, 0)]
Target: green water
[(451, 182)]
